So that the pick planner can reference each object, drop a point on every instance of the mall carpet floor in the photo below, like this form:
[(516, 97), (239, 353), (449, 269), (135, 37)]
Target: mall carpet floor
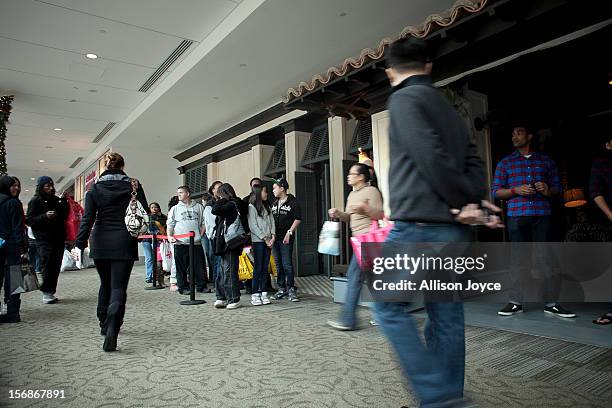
[(281, 355)]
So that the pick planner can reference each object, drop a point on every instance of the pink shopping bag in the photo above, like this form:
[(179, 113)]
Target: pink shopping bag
[(376, 234)]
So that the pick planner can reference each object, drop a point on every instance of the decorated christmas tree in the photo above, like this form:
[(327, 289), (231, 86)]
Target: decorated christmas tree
[(5, 112)]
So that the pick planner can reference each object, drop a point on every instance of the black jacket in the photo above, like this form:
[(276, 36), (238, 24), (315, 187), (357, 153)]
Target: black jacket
[(434, 166), (285, 215), (12, 228), (46, 230), (105, 206)]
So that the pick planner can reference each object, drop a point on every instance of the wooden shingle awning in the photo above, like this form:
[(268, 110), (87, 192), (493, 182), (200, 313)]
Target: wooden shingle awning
[(434, 22)]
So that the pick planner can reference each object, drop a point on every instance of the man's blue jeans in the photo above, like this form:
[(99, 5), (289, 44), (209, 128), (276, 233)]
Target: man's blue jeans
[(150, 258), (283, 258), (213, 261), (435, 369)]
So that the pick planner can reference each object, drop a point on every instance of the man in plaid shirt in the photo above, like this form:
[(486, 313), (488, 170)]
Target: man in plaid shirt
[(600, 187), (528, 181)]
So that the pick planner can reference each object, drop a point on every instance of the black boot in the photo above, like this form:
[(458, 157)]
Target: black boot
[(102, 319), (113, 324)]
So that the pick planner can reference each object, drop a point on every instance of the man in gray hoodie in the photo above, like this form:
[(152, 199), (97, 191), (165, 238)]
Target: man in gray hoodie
[(184, 217)]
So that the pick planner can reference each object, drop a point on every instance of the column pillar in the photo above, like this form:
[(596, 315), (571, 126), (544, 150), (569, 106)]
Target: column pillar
[(380, 141), (340, 134), (261, 158), (295, 146)]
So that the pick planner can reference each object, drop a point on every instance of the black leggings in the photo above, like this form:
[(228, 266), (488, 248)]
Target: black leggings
[(114, 278)]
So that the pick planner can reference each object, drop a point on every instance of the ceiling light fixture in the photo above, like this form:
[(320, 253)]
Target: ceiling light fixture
[(57, 129), (243, 65), (27, 191), (32, 178), (343, 14), (41, 161), (91, 56), (72, 100), (93, 90)]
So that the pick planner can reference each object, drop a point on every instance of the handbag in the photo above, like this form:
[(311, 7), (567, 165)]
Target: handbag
[(30, 280), (234, 234), (329, 238), (219, 246), (136, 218), (245, 268), (376, 234)]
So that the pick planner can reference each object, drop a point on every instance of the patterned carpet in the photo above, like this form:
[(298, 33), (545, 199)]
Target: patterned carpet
[(281, 355)]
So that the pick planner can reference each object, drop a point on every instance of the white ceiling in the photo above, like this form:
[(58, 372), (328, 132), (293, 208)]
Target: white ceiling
[(282, 42)]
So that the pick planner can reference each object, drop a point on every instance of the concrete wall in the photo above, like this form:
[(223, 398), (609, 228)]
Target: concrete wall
[(237, 171)]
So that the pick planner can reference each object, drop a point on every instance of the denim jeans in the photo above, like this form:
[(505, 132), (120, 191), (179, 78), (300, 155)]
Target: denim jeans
[(435, 369), (13, 302), (227, 284), (283, 258), (150, 258), (353, 290), (213, 261), (33, 256), (261, 254), (531, 229)]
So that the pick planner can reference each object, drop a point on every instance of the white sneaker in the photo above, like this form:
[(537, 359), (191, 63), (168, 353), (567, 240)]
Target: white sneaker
[(264, 298), (49, 298), (234, 305), (256, 299), (220, 304)]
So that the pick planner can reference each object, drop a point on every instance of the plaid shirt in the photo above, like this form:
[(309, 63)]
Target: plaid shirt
[(601, 178), (516, 170)]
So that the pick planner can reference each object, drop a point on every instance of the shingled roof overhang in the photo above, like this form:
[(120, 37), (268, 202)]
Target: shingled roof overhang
[(463, 38)]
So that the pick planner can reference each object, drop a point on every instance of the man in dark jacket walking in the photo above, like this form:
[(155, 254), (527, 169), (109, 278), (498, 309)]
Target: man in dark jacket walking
[(435, 169), (46, 215)]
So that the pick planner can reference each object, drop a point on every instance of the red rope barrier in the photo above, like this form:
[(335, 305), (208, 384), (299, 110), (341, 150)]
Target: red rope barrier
[(189, 234)]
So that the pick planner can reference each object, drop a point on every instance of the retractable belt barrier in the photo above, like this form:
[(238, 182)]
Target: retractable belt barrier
[(191, 234)]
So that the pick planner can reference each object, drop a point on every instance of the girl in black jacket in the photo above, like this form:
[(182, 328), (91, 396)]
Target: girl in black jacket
[(46, 215), (226, 284), (12, 233), (113, 249)]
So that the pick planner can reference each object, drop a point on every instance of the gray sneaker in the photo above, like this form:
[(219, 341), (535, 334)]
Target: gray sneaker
[(281, 293), (292, 295)]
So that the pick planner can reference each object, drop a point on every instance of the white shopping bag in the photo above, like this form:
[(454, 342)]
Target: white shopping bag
[(165, 250), (68, 262), (329, 238)]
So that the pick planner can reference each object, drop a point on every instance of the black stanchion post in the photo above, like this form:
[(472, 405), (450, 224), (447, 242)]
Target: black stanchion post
[(154, 250), (192, 300)]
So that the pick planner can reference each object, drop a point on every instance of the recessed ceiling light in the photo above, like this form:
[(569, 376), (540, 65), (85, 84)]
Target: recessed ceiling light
[(91, 56), (102, 31), (610, 83), (32, 178), (27, 191), (215, 97), (343, 14), (49, 147), (57, 129), (93, 90), (243, 65), (72, 100), (41, 161)]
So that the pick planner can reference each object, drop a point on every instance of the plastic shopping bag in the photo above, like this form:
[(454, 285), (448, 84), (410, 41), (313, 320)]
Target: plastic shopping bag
[(165, 249), (245, 268), (68, 262), (376, 234), (329, 238)]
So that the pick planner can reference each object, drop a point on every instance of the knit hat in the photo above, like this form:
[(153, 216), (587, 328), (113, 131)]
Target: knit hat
[(42, 180)]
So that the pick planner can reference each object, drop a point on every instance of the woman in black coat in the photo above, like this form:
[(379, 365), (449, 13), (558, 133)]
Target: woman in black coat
[(14, 245), (112, 248), (46, 215), (227, 286)]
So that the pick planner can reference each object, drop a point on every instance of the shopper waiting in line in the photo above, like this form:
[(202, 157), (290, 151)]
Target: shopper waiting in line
[(46, 215), (187, 216), (363, 205), (112, 248), (255, 182), (263, 235), (157, 225), (173, 287), (529, 182), (435, 169), (600, 187), (287, 218), (213, 261), (227, 288), (13, 245)]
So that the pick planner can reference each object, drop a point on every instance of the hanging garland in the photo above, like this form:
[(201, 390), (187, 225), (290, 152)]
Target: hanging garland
[(5, 112)]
